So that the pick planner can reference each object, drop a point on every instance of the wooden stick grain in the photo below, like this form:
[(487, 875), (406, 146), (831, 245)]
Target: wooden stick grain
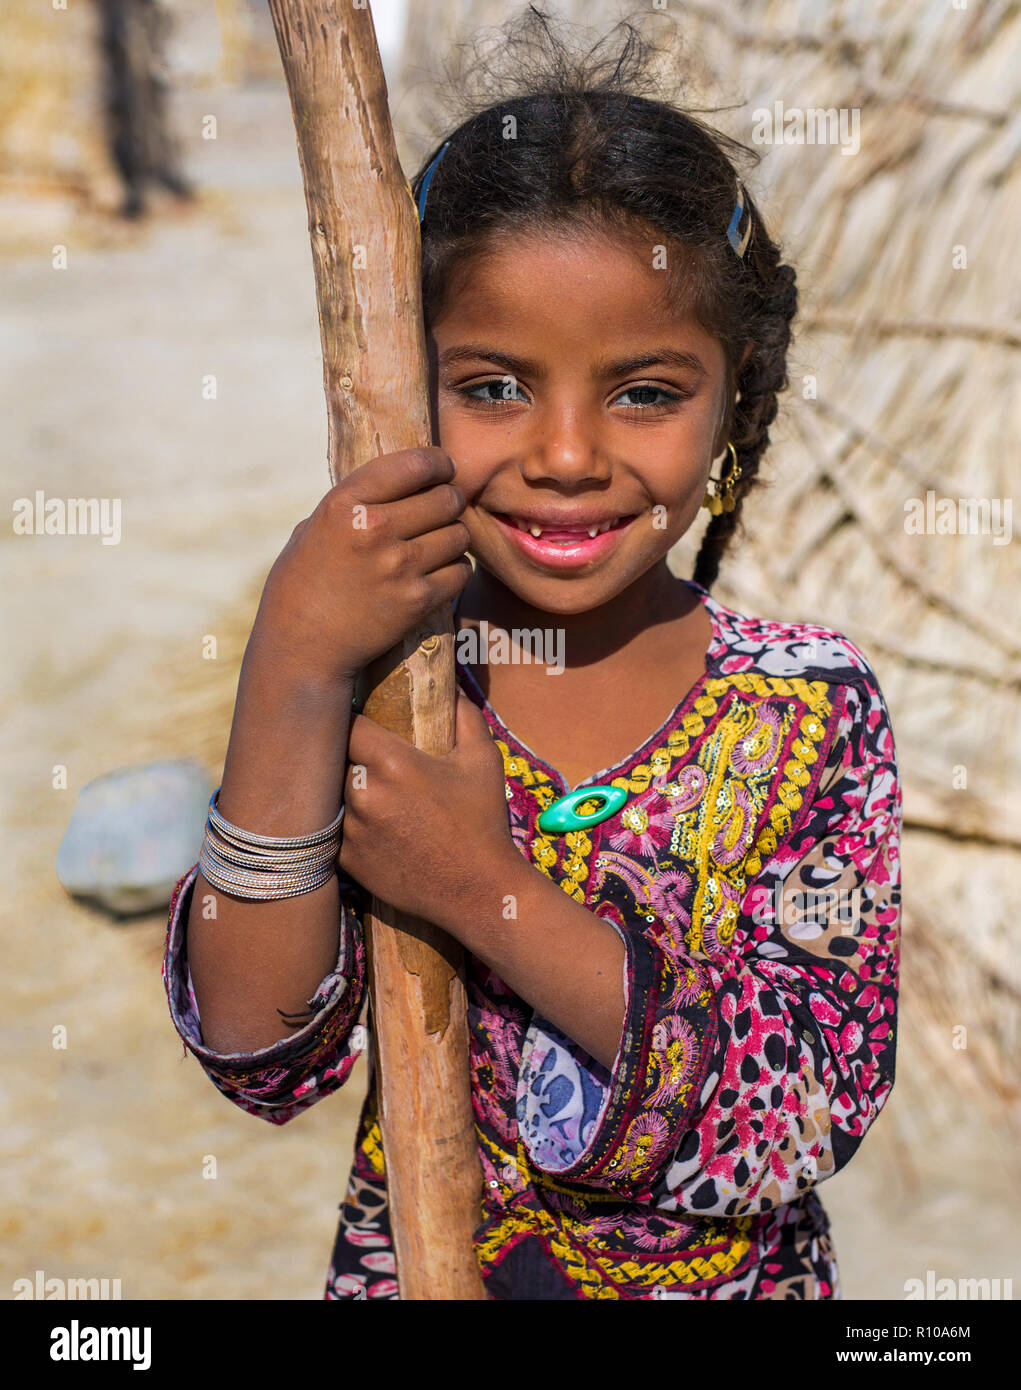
[(366, 257)]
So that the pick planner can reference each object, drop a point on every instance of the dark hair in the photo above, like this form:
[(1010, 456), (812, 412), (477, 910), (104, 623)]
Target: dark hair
[(575, 141)]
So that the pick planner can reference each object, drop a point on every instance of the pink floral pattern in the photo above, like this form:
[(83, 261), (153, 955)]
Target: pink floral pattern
[(754, 878)]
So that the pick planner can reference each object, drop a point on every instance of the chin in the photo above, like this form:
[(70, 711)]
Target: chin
[(568, 596), (568, 600)]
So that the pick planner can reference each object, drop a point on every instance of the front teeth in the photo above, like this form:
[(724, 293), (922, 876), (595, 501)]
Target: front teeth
[(593, 531)]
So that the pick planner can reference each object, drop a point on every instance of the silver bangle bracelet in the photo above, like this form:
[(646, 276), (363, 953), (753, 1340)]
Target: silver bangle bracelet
[(262, 887), (248, 837), (266, 867), (272, 860)]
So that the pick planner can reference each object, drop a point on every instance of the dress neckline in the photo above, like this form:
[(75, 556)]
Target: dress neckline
[(713, 656)]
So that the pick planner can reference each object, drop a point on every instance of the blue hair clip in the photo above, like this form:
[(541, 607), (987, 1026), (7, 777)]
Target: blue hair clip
[(424, 190), (739, 243)]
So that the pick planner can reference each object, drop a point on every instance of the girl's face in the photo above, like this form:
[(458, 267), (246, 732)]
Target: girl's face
[(582, 412)]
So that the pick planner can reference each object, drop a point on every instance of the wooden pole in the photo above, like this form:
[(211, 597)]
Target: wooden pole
[(366, 255)]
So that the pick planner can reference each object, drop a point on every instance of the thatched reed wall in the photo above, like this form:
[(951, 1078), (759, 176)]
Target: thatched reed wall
[(903, 382)]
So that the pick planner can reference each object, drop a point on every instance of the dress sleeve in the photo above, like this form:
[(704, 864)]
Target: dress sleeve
[(748, 1074), (279, 1081)]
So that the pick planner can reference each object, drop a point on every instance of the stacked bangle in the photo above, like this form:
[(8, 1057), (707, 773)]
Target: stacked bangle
[(264, 867)]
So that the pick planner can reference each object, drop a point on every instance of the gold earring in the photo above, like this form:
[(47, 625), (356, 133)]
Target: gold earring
[(723, 500)]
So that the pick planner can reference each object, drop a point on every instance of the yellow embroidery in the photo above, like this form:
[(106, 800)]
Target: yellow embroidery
[(719, 822), (707, 837), (583, 1257), (601, 1275), (372, 1140), (504, 1163)]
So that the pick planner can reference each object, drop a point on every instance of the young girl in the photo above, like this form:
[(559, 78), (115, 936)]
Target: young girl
[(688, 1021)]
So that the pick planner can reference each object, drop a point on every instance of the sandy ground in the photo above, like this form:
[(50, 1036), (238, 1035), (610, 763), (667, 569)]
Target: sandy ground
[(104, 1142)]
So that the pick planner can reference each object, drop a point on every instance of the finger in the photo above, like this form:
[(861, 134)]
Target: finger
[(470, 727), (346, 860), (438, 548), (473, 741), (427, 511), (445, 584), (394, 476), (370, 744)]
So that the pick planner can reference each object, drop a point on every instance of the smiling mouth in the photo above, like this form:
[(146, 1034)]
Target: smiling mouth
[(564, 532), (560, 545)]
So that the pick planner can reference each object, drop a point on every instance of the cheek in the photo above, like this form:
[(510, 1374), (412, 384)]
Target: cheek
[(675, 472), (675, 455), (476, 456)]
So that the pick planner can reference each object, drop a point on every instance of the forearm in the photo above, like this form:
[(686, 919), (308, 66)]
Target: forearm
[(429, 834), (283, 775), (564, 960)]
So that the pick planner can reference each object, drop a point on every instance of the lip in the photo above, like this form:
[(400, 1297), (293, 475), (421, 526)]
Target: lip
[(555, 550)]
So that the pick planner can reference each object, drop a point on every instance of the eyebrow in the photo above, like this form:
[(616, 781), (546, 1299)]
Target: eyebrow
[(660, 357), (519, 366)]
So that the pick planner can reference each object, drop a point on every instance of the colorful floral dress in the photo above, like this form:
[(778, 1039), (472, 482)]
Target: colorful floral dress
[(754, 877)]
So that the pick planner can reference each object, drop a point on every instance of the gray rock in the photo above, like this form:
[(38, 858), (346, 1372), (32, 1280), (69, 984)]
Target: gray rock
[(133, 833)]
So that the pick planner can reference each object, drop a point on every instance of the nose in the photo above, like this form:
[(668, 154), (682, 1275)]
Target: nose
[(565, 450)]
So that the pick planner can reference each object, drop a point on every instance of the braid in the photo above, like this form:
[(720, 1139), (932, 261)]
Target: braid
[(760, 381), (714, 542)]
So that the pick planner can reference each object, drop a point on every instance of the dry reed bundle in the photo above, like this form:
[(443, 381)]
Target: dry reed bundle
[(903, 384)]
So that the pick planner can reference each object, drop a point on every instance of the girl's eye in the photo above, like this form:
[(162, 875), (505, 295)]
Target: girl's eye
[(643, 397), (494, 392)]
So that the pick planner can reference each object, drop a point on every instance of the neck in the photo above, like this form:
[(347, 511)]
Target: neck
[(655, 597)]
